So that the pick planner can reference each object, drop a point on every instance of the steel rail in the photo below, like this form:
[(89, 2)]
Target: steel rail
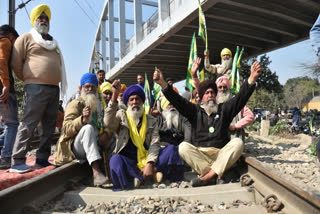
[(42, 188), (294, 199)]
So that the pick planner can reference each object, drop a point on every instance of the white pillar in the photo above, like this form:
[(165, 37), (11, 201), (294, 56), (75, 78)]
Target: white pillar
[(111, 33), (103, 45), (163, 10), (138, 21), (98, 53), (122, 29)]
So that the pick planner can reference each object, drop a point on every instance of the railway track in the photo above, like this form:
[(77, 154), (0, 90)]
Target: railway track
[(275, 193)]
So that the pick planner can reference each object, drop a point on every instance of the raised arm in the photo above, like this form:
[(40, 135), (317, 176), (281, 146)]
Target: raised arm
[(185, 108), (110, 115)]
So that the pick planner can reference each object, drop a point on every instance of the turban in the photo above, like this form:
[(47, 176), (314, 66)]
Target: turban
[(36, 12), (205, 85), (133, 90), (225, 51), (123, 88), (89, 78), (164, 103), (106, 86), (223, 79)]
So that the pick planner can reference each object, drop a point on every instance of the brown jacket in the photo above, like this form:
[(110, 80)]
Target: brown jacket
[(5, 51), (71, 126), (116, 121)]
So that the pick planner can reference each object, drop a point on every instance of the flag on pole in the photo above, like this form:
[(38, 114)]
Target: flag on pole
[(147, 102), (192, 56), (310, 126), (201, 75), (202, 26), (235, 76)]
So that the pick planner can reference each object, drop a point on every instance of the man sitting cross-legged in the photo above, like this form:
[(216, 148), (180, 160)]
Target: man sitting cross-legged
[(211, 152), (137, 154), (82, 130)]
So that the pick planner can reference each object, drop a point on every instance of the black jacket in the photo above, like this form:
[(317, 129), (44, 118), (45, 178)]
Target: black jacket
[(202, 124)]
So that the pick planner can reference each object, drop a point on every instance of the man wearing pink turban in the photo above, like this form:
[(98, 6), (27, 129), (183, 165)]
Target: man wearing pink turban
[(244, 118)]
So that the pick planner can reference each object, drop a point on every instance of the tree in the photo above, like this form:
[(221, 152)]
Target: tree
[(268, 80), (264, 99), (298, 89), (19, 88), (313, 69)]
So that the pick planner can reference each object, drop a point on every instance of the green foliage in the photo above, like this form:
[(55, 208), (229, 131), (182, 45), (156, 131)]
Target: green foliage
[(279, 129), (298, 89), (313, 149), (253, 127), (19, 88), (268, 80)]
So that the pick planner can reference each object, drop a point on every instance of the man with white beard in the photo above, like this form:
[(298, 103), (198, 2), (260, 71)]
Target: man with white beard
[(37, 61), (83, 129), (175, 128), (244, 118), (211, 152), (137, 154), (220, 69)]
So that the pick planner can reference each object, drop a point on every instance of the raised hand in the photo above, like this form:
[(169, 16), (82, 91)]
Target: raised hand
[(159, 79), (116, 86), (195, 66), (256, 71), (206, 53)]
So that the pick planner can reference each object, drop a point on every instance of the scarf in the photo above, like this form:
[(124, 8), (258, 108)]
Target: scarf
[(139, 138), (53, 45), (97, 117)]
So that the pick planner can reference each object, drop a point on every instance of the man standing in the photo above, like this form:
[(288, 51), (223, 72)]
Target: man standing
[(315, 38), (211, 152), (137, 154), (83, 128), (37, 60), (140, 81), (8, 99), (220, 69)]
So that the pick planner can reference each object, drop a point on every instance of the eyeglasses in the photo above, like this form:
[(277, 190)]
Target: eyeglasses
[(87, 86), (222, 86)]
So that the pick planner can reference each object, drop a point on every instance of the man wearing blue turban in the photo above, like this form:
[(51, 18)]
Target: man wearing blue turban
[(137, 154), (83, 129)]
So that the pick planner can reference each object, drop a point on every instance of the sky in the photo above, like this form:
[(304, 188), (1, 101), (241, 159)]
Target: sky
[(74, 23)]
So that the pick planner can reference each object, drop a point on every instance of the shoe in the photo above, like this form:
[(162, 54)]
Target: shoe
[(5, 163), (157, 177), (137, 183), (21, 168), (99, 180), (41, 163), (197, 182)]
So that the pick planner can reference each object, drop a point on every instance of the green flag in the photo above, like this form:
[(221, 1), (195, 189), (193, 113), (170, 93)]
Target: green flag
[(192, 56), (147, 102), (202, 26), (201, 75), (310, 125), (235, 76), (156, 89)]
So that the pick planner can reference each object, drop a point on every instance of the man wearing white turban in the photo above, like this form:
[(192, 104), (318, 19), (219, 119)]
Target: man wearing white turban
[(38, 62)]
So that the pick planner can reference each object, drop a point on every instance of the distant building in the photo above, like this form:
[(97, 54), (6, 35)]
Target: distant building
[(314, 103)]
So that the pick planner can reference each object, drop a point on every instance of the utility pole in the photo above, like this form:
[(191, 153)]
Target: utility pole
[(12, 13)]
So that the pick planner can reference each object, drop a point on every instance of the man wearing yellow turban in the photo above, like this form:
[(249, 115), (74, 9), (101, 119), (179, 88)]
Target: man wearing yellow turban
[(220, 69), (37, 61), (106, 91)]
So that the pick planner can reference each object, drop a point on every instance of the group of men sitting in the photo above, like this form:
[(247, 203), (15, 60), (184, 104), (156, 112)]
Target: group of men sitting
[(109, 116)]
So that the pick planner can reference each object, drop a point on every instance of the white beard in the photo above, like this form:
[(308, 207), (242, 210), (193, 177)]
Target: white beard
[(223, 97), (42, 29), (90, 99), (171, 117), (136, 114), (226, 65), (210, 107)]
